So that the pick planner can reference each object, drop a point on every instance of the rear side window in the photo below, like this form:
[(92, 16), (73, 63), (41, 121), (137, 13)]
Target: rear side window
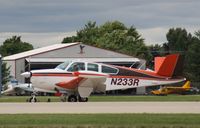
[(106, 69), (92, 67)]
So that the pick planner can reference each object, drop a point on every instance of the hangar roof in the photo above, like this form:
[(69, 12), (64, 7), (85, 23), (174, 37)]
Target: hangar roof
[(38, 51), (58, 52), (43, 60)]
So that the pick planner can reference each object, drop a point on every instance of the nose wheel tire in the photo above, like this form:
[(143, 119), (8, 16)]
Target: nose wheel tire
[(72, 98), (32, 99)]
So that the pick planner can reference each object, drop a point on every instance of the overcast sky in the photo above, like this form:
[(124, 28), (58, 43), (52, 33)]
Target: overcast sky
[(43, 22)]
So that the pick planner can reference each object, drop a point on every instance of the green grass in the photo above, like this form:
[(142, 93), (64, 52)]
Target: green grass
[(101, 120), (146, 98), (24, 98), (109, 98)]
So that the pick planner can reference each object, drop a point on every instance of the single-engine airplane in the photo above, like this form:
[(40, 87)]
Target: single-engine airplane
[(16, 88), (79, 78), (185, 89)]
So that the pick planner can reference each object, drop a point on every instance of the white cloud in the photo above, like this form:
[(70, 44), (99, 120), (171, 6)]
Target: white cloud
[(154, 35), (157, 35), (45, 22)]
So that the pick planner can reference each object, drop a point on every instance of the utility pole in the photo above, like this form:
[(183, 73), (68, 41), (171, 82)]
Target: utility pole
[(0, 74)]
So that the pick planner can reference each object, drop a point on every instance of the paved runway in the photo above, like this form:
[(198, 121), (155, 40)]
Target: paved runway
[(101, 107)]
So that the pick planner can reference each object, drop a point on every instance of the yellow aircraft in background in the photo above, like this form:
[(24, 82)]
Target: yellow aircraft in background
[(173, 90)]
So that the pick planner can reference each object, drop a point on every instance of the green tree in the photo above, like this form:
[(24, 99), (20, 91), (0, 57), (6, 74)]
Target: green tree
[(178, 40), (193, 61), (5, 73), (113, 36), (12, 46), (197, 34)]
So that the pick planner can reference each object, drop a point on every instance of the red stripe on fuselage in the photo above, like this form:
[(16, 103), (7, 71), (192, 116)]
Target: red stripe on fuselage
[(72, 84), (52, 74), (153, 74), (111, 76)]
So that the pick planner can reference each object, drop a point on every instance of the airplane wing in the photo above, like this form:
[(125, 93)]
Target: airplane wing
[(86, 82), (9, 90), (13, 89), (93, 81)]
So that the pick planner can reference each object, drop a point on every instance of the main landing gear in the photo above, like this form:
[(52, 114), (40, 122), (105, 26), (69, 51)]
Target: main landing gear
[(74, 98), (63, 98)]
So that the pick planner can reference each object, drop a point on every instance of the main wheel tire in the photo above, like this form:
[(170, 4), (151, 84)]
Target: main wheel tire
[(80, 99), (72, 98)]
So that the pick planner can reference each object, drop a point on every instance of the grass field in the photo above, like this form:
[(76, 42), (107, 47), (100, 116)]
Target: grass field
[(101, 120), (109, 98)]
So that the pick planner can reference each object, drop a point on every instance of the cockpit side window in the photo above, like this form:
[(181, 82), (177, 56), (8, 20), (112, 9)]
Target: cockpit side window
[(63, 65), (106, 69), (77, 66), (92, 67)]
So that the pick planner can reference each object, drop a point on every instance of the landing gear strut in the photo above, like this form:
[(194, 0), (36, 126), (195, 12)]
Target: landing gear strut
[(63, 97), (33, 98)]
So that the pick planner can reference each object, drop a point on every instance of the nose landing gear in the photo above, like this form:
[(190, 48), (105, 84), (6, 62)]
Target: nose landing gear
[(33, 98)]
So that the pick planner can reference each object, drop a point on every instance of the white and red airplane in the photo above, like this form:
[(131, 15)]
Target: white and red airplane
[(79, 78)]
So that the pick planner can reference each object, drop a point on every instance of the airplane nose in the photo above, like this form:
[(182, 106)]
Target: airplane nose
[(26, 74)]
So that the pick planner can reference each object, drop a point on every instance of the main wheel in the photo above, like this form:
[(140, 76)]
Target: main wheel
[(72, 98), (81, 99)]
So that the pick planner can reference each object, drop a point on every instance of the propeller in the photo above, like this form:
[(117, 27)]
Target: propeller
[(28, 74)]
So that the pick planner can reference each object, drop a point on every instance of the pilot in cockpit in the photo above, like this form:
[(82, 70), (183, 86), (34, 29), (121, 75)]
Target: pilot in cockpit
[(75, 68)]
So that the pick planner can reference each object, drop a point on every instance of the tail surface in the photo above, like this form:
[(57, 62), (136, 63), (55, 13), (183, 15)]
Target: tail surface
[(186, 85), (169, 66)]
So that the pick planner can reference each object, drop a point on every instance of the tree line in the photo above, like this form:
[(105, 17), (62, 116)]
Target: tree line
[(118, 37)]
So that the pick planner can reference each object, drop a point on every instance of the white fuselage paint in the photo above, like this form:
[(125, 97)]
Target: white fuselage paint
[(112, 83), (125, 83)]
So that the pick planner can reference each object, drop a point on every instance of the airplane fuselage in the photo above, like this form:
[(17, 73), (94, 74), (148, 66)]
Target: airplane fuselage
[(50, 79)]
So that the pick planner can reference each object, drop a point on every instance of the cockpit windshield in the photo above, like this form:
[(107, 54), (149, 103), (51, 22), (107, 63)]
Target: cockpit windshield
[(63, 66)]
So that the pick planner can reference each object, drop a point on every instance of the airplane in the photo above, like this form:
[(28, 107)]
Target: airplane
[(16, 88), (186, 88), (80, 78)]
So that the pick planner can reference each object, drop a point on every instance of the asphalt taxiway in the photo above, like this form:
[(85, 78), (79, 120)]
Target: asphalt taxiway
[(100, 107)]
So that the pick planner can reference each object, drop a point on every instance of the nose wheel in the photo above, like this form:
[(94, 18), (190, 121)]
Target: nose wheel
[(33, 98)]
